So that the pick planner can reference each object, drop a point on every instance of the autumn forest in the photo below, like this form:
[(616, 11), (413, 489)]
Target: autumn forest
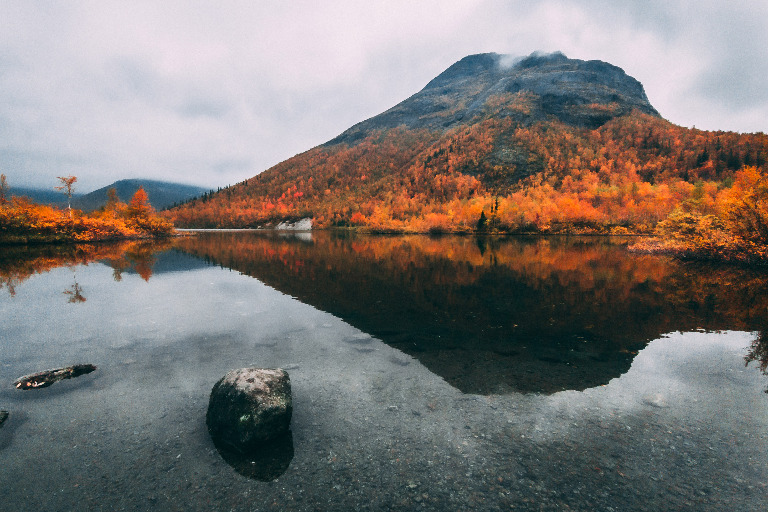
[(23, 222), (550, 146), (703, 193)]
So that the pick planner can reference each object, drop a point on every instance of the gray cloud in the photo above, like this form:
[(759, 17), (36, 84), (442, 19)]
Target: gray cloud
[(213, 94), (716, 78)]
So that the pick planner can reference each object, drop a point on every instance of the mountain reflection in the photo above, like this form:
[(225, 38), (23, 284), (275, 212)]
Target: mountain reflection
[(489, 315), (494, 315)]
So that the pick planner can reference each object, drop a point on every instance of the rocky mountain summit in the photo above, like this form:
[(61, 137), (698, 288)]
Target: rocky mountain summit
[(541, 87)]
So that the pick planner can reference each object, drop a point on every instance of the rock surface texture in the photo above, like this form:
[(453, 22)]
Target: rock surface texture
[(571, 91), (249, 407)]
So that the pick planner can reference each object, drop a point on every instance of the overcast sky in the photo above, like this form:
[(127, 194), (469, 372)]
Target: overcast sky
[(211, 93)]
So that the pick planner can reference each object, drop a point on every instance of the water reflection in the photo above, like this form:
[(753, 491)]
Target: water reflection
[(144, 257), (266, 463), (495, 315), (758, 352), (373, 428), (19, 263), (489, 315), (75, 292)]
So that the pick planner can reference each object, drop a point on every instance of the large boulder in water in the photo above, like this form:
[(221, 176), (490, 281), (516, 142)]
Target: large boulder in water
[(249, 407)]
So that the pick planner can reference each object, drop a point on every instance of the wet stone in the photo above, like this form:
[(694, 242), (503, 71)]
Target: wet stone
[(249, 407)]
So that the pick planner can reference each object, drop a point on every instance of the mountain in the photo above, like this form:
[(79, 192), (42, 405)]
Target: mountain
[(568, 90), (41, 196), (539, 144), (161, 194)]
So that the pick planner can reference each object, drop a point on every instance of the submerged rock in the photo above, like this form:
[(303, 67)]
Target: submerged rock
[(47, 377), (3, 417), (249, 407)]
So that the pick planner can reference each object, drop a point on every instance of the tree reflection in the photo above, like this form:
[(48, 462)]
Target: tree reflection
[(75, 293), (137, 257), (142, 258), (758, 352), (19, 263), (9, 282)]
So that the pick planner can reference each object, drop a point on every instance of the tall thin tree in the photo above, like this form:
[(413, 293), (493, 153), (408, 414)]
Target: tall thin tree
[(4, 190), (67, 183)]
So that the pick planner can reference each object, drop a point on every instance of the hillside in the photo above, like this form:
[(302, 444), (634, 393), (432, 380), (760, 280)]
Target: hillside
[(540, 144), (161, 194), (42, 196)]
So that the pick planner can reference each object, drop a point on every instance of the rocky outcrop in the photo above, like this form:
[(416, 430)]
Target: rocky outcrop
[(47, 377), (300, 225), (249, 407)]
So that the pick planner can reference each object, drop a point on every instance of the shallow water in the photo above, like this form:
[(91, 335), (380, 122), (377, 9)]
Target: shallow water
[(435, 374)]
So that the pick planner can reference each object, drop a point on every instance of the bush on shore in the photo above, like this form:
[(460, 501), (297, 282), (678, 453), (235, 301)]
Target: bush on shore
[(733, 227), (22, 221)]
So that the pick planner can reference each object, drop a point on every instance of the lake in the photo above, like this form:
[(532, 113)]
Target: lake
[(428, 373)]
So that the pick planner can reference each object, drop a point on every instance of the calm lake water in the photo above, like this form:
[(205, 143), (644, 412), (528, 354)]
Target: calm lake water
[(447, 373)]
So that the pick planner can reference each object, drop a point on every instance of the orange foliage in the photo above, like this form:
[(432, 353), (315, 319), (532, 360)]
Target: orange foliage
[(728, 224), (22, 221), (625, 176)]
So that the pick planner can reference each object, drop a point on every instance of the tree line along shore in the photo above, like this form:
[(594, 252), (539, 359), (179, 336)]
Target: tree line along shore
[(727, 224), (23, 222)]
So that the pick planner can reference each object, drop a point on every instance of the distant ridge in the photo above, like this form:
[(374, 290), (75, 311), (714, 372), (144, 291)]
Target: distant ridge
[(41, 195), (162, 194)]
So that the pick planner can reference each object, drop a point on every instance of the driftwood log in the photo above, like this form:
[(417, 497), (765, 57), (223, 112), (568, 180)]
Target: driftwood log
[(47, 377)]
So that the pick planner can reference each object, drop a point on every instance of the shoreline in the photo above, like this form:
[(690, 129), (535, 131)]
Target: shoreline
[(70, 240)]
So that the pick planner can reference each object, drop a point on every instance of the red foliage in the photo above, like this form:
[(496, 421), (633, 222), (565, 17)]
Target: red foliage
[(625, 176)]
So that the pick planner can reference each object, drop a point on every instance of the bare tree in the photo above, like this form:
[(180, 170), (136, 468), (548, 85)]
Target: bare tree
[(4, 190), (67, 183)]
